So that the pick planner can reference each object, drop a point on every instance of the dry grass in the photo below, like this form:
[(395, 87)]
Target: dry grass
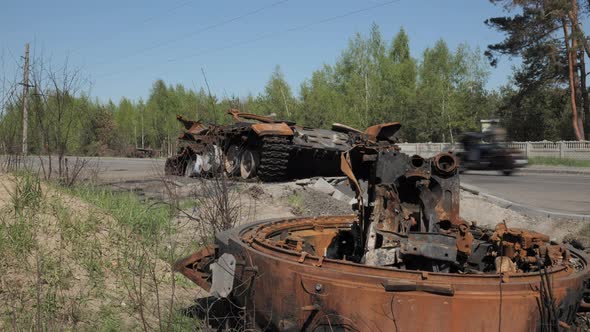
[(86, 259)]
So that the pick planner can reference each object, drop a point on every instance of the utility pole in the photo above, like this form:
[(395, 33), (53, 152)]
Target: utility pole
[(25, 99)]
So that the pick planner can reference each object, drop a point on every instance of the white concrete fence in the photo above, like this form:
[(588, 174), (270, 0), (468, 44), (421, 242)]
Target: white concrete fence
[(561, 149)]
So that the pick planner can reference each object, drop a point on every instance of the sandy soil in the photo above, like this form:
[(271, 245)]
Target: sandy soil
[(272, 200), (58, 235), (82, 259), (486, 213)]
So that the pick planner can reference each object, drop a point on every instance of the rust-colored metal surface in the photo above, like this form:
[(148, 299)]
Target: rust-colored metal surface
[(405, 260), (195, 267), (192, 127), (260, 146), (283, 271), (265, 129), (239, 116), (384, 131)]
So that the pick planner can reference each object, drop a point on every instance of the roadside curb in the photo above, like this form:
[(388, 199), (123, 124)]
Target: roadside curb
[(521, 208), (553, 171)]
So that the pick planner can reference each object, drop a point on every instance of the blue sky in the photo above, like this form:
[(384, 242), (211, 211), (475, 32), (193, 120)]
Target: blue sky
[(123, 46)]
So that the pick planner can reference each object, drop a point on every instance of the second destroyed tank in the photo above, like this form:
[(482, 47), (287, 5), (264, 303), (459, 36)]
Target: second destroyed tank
[(259, 146)]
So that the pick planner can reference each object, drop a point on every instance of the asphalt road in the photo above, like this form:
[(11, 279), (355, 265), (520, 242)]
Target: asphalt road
[(564, 193), (129, 168), (106, 168)]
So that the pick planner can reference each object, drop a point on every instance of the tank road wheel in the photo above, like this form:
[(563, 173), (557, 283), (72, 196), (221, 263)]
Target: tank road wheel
[(212, 159), (193, 166), (249, 164), (232, 160), (189, 170)]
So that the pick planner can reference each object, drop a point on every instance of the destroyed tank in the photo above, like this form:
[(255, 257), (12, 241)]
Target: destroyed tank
[(260, 146), (404, 261)]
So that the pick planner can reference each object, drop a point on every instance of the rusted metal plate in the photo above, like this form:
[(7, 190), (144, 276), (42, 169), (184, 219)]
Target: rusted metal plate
[(263, 129), (239, 116), (371, 297), (196, 267), (289, 289), (384, 131), (191, 126)]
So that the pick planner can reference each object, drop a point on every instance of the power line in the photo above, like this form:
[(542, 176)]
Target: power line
[(264, 36), (198, 31), (134, 26), (16, 62), (169, 11)]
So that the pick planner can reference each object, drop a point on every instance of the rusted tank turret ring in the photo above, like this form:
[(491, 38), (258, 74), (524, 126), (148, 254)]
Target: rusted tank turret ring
[(282, 272)]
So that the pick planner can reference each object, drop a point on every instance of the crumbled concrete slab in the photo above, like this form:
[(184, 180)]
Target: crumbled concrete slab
[(337, 194), (323, 186), (488, 213)]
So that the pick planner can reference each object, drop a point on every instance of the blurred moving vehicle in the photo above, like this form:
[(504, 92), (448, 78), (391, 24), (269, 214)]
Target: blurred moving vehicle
[(487, 151)]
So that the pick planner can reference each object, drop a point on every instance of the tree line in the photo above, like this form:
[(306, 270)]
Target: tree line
[(436, 95)]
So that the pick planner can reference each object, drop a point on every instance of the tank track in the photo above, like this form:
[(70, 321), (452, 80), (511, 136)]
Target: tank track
[(274, 158)]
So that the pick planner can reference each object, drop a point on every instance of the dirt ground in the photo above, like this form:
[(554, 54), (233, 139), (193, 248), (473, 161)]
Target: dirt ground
[(89, 261), (486, 213), (289, 199), (81, 257), (68, 265), (261, 200)]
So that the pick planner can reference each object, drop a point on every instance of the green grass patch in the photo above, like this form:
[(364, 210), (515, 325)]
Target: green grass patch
[(77, 266), (552, 161), (109, 320), (17, 237), (127, 209), (27, 192), (295, 201), (187, 204)]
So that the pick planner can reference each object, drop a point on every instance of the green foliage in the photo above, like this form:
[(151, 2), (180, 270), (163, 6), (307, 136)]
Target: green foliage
[(375, 80), (70, 265), (537, 32), (277, 97), (559, 162), (450, 92), (539, 114), (26, 193), (16, 237), (295, 200), (127, 209), (109, 320)]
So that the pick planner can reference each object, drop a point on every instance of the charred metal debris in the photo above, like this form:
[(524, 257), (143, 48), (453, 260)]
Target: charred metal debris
[(259, 146), (404, 261)]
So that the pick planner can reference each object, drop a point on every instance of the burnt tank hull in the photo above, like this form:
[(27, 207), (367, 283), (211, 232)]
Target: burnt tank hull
[(271, 150)]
